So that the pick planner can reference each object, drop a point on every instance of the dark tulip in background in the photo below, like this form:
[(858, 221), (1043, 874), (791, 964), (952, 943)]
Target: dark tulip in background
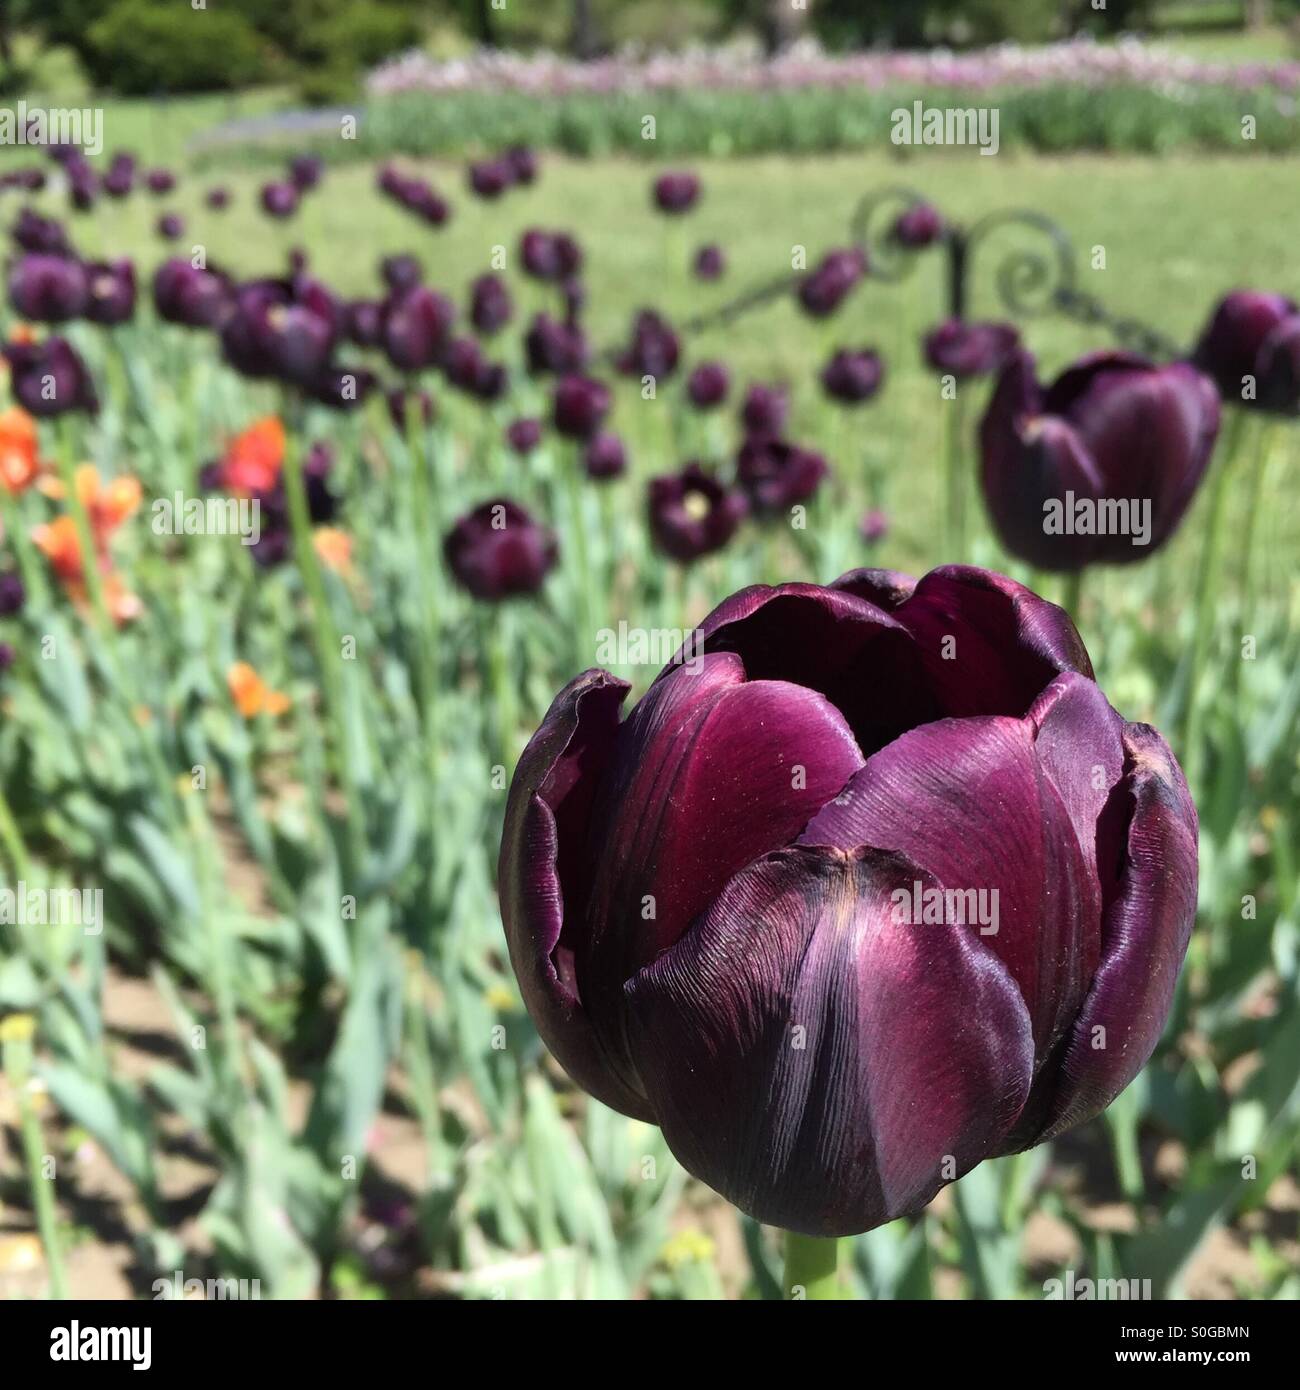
[(1250, 348), (498, 551), (784, 902), (1111, 428), (962, 349), (691, 513)]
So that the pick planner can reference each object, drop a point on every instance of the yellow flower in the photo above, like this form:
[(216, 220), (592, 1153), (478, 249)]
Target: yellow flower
[(690, 1246)]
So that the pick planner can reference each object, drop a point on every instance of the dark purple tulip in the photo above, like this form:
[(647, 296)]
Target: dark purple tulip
[(777, 475), (160, 181), (401, 272), (428, 205), (305, 172), (1102, 464), (918, 226), (554, 347), (524, 435), (765, 409), (42, 235), (281, 329), (185, 294), (874, 526), (654, 349), (961, 349), (580, 406), (692, 514), (549, 255), (522, 162), (470, 371), (708, 384), (1231, 345), (850, 902), (498, 551), (605, 458), (826, 287), (12, 594), (342, 388), (120, 178), (364, 322), (676, 193), (852, 377), (83, 187), (48, 289), (49, 378), (489, 178), (490, 307), (171, 226), (710, 263), (417, 328), (1279, 369), (111, 292), (402, 402), (279, 199), (218, 199)]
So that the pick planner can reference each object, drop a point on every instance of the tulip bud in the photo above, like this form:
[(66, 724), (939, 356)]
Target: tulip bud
[(708, 385), (676, 193), (580, 406), (852, 377), (964, 350), (48, 289)]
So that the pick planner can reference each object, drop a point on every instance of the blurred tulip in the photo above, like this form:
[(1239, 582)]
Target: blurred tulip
[(918, 226), (363, 322), (676, 193), (48, 289), (49, 378), (580, 406), (490, 304), (962, 350), (825, 288), (776, 475), (489, 178), (854, 897), (19, 450), (281, 329), (186, 295), (874, 526), (654, 349), (111, 287), (170, 226), (692, 514), (417, 328), (522, 162), (305, 172), (401, 272), (1242, 349), (13, 593), (218, 199), (498, 551), (160, 181), (765, 409), (708, 385), (710, 263), (469, 370), (554, 347), (340, 387), (853, 376), (604, 458), (549, 255), (279, 200), (1099, 466), (524, 435), (42, 235), (400, 402)]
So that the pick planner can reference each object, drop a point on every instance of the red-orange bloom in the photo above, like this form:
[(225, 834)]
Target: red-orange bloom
[(251, 694), (253, 459), (19, 463)]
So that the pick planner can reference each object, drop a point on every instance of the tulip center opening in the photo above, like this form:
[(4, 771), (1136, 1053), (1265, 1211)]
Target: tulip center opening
[(696, 505)]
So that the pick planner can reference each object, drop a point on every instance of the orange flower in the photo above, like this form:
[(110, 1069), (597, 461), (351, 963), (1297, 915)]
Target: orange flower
[(57, 541), (108, 507), (251, 694), (252, 461), (334, 548), (18, 462)]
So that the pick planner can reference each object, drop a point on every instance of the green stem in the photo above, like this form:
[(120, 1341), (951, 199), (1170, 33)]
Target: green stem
[(1072, 595), (811, 1267), (584, 609), (1207, 597), (17, 1066), (1255, 496), (955, 479)]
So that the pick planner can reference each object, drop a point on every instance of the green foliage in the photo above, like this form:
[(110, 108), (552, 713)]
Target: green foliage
[(141, 47)]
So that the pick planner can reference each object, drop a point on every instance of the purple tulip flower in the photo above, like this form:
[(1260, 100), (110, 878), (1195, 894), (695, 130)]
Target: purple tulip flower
[(49, 378), (498, 551), (417, 328), (853, 901), (48, 289), (111, 286), (1099, 466), (708, 385), (777, 475), (692, 514), (676, 193), (963, 350), (1251, 347), (579, 406), (853, 376)]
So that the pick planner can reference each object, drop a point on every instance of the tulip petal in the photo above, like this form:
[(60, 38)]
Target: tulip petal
[(710, 772), (885, 588), (1144, 938), (1006, 642), (967, 800), (822, 1065), (540, 874), (833, 641)]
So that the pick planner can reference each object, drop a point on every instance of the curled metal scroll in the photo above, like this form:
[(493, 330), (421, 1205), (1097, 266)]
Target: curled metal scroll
[(1030, 280)]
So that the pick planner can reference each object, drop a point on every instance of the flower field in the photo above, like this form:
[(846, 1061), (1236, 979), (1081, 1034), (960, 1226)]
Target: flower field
[(319, 484)]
